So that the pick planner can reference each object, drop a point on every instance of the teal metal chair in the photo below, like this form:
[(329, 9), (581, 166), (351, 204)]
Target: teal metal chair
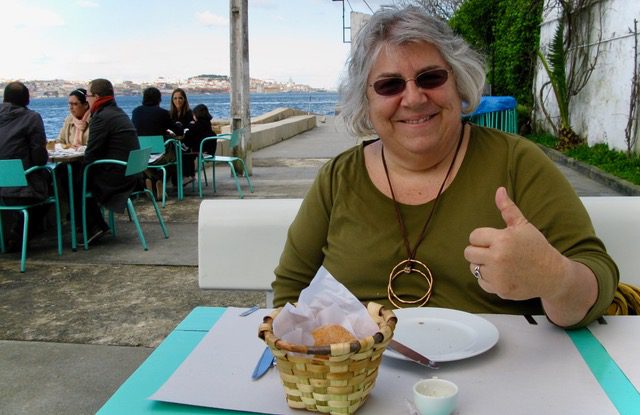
[(14, 175), (159, 146), (136, 164), (204, 158)]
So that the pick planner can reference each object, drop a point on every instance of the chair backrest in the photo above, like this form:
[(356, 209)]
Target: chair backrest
[(235, 137), (12, 173), (155, 142), (138, 161)]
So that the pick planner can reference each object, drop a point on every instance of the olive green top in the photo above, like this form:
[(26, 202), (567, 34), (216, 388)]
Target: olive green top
[(346, 224)]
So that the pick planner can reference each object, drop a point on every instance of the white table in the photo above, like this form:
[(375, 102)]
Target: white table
[(533, 369)]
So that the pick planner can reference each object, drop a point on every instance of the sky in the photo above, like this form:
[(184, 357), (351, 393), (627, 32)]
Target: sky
[(143, 40)]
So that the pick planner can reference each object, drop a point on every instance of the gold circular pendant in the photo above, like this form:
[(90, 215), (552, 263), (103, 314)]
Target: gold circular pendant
[(407, 267)]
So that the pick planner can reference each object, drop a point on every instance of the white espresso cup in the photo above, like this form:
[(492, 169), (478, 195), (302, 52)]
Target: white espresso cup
[(435, 396)]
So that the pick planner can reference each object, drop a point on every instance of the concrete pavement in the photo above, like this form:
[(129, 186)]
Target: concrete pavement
[(73, 328)]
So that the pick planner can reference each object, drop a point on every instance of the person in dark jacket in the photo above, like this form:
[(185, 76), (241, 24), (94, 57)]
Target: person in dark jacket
[(198, 129), (181, 115), (150, 119), (22, 137), (111, 136), (179, 110)]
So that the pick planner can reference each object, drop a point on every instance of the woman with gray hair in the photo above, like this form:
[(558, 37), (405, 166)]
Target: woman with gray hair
[(435, 211)]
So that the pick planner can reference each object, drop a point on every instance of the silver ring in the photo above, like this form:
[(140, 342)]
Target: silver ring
[(476, 272)]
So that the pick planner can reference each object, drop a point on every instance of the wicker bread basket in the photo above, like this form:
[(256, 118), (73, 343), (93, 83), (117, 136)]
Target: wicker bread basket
[(333, 379)]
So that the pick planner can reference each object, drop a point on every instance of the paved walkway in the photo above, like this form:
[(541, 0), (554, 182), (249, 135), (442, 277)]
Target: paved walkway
[(73, 328)]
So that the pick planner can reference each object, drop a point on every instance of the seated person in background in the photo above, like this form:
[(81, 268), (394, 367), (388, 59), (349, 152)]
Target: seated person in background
[(111, 136), (435, 211), (150, 119), (75, 130), (198, 129), (181, 115), (179, 110), (74, 134), (22, 137)]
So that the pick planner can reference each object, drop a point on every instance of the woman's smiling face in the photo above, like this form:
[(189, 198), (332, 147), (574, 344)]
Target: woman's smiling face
[(178, 99), (416, 120)]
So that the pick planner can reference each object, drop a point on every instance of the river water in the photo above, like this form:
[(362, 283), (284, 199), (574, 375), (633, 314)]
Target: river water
[(54, 110)]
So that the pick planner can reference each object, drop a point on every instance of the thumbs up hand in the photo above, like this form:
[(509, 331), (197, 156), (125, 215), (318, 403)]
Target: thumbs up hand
[(516, 262)]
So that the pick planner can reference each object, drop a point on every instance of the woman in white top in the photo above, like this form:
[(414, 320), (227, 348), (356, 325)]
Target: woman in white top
[(75, 130)]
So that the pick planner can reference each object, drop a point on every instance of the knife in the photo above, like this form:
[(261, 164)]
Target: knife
[(267, 360), (412, 354)]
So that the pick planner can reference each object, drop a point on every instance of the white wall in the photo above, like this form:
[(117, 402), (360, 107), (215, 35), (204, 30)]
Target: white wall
[(600, 111)]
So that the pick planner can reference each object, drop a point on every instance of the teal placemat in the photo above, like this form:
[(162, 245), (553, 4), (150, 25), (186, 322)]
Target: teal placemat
[(131, 397), (613, 381)]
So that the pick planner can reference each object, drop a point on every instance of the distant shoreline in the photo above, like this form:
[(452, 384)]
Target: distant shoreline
[(166, 92), (201, 84)]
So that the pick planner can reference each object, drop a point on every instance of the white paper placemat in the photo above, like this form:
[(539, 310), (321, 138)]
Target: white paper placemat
[(532, 369)]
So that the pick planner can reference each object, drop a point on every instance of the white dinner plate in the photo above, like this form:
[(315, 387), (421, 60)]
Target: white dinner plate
[(443, 334)]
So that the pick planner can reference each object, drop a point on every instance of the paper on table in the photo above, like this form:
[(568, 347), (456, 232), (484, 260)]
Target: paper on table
[(324, 301), (154, 157), (535, 369), (223, 361)]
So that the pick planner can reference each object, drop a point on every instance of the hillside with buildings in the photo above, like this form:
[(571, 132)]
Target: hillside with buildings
[(201, 84)]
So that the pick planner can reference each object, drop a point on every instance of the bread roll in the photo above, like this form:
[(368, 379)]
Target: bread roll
[(330, 334)]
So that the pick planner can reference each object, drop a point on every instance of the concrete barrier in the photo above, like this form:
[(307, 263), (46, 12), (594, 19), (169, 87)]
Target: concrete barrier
[(273, 127)]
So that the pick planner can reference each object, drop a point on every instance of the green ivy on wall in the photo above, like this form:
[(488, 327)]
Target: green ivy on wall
[(508, 33)]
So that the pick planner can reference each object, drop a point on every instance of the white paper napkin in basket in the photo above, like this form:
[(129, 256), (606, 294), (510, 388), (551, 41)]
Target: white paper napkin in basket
[(324, 301)]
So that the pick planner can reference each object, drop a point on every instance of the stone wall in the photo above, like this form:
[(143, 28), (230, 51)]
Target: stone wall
[(271, 128), (600, 111)]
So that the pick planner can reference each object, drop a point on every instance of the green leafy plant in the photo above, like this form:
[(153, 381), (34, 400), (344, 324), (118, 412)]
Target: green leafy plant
[(555, 66), (508, 36)]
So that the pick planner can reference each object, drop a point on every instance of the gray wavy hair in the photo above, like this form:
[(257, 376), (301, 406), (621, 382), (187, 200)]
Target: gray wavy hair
[(396, 26)]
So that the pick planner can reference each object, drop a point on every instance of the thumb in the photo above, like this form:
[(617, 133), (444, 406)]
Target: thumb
[(511, 215)]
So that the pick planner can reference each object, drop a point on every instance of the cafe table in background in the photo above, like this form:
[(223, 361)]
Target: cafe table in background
[(204, 367)]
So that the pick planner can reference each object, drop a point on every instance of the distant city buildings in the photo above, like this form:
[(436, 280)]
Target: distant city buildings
[(201, 84)]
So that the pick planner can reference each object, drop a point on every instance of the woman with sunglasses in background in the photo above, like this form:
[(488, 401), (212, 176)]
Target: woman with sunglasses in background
[(436, 211), (75, 129)]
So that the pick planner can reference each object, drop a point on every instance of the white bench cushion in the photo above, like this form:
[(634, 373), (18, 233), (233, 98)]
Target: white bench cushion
[(616, 220), (240, 241)]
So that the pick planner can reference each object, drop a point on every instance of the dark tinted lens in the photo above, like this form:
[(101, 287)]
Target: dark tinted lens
[(389, 86), (432, 79)]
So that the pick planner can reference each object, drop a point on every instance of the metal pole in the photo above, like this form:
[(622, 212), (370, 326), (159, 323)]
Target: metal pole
[(240, 98)]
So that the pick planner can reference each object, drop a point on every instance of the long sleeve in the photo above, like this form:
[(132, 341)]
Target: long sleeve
[(63, 136), (37, 141), (98, 136)]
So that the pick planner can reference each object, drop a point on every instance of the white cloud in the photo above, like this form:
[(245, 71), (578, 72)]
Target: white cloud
[(209, 19), (263, 4), (93, 58), (24, 18), (87, 3)]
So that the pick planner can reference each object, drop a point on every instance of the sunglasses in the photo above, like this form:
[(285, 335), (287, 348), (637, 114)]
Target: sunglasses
[(426, 80)]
